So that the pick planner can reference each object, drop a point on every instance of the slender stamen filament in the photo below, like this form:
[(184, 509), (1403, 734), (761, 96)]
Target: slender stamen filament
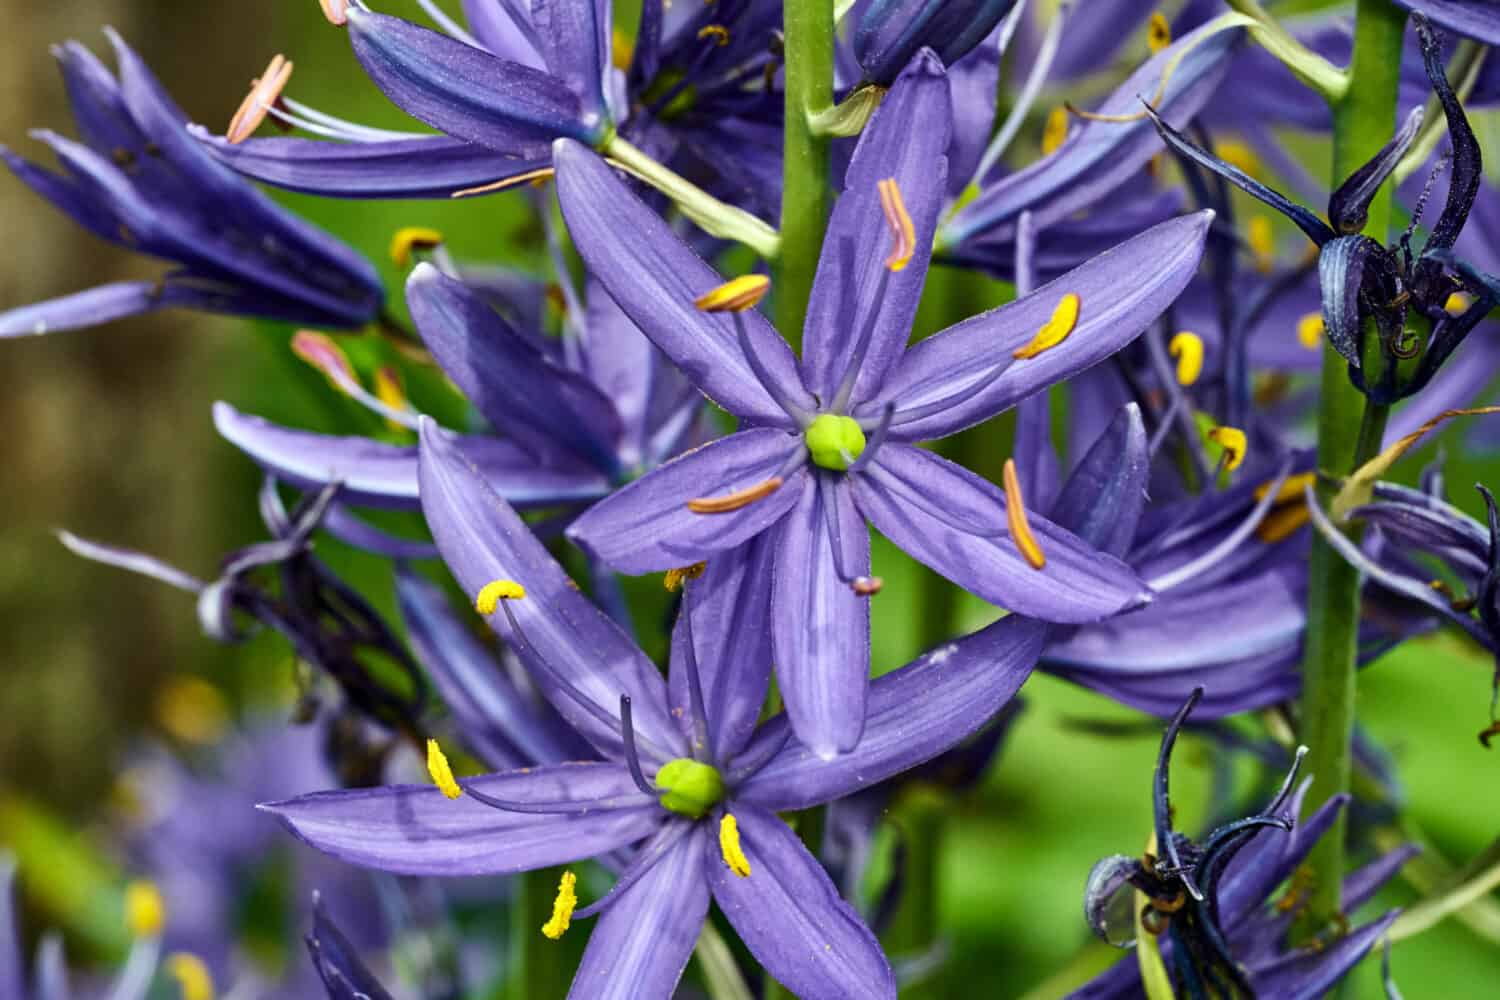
[(762, 375), (1015, 516), (862, 586), (537, 176), (263, 94), (862, 346), (911, 414), (627, 740), (293, 111), (702, 739), (1232, 541), (737, 500), (879, 429), (1042, 66)]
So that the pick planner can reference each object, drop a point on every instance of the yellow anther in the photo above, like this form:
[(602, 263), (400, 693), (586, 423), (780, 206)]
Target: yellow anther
[(1232, 440), (337, 11), (1187, 348), (264, 92), (675, 578), (736, 500), (1015, 517), (388, 390), (562, 906), (409, 239), (441, 771), (735, 295), (1055, 330), (1458, 303), (1262, 242), (145, 910), (492, 593), (192, 975), (867, 586), (537, 177), (192, 710), (1055, 131), (1159, 33), (1282, 522), (717, 32), (1237, 154), (1310, 331), (621, 50), (320, 351), (729, 846), (1291, 488), (903, 233)]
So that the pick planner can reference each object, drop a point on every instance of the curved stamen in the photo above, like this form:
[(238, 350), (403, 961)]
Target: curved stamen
[(881, 428), (557, 807), (1232, 541), (913, 414), (1164, 426), (749, 766), (702, 739), (452, 27), (348, 129), (765, 378), (632, 759), (863, 586), (1029, 91), (645, 859), (861, 347)]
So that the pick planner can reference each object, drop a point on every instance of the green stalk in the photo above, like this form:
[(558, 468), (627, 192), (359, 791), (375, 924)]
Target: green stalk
[(1349, 433), (540, 967), (920, 816), (808, 25)]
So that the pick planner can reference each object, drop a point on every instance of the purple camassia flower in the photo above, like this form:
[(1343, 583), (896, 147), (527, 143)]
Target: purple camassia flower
[(138, 180), (699, 91), (686, 776), (575, 415), (1205, 901), (803, 476)]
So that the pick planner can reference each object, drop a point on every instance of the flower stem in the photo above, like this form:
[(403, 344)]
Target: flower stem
[(540, 968), (808, 25), (709, 213), (1349, 433)]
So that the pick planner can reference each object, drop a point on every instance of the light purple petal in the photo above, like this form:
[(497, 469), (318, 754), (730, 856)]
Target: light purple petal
[(580, 659), (924, 504), (70, 312), (1122, 291), (655, 277), (791, 916), (646, 527), (575, 37), (129, 559), (905, 141), (646, 936), (820, 629), (417, 830)]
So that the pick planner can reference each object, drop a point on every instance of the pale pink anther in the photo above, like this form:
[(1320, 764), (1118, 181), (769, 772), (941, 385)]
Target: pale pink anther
[(337, 11), (264, 93)]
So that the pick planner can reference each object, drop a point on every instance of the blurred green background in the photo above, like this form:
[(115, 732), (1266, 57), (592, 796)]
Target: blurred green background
[(109, 436)]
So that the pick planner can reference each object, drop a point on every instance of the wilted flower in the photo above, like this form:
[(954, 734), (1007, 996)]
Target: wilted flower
[(138, 180)]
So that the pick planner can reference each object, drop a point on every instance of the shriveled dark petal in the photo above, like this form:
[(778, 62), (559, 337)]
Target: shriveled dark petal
[(1476, 19), (820, 628), (1121, 291), (647, 526), (1315, 228), (1466, 168), (420, 167), (1344, 266), (1349, 206), (417, 830), (338, 963), (580, 658), (913, 497), (1448, 533), (655, 277), (791, 916), (1307, 976), (1448, 334), (646, 935), (385, 475), (905, 141)]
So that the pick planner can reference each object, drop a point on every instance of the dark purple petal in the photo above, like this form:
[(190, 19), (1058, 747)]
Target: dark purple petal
[(385, 475), (580, 659), (1121, 291), (1342, 269), (1349, 205), (420, 167), (575, 40), (905, 141), (417, 830), (337, 961), (791, 916), (731, 629), (499, 721), (1478, 19), (646, 936), (890, 32), (820, 629), (914, 714), (522, 393), (463, 91), (934, 510), (655, 277), (647, 527)]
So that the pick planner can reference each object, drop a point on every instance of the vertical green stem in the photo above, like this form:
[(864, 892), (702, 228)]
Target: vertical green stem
[(540, 967), (805, 196), (920, 816), (1347, 436)]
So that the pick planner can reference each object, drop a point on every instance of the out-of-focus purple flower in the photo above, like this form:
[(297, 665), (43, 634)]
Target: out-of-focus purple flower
[(1477, 19), (804, 477), (686, 772), (573, 416), (1205, 901), (138, 180)]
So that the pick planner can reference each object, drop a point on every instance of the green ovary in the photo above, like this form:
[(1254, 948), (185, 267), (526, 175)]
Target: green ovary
[(835, 441), (689, 787)]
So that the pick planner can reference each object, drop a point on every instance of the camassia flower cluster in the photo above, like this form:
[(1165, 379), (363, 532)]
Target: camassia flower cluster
[(935, 331)]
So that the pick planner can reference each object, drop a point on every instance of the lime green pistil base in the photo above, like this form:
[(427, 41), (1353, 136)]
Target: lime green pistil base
[(835, 441), (689, 787)]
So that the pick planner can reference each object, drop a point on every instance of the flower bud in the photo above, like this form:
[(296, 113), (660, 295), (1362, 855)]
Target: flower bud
[(891, 31)]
